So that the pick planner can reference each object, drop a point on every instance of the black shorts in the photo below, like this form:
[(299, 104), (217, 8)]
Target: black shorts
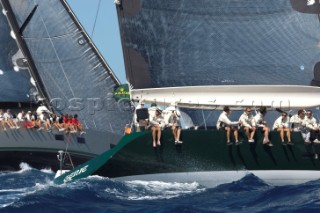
[(260, 129)]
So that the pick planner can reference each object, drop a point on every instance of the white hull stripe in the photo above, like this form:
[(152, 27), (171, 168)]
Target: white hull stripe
[(215, 178)]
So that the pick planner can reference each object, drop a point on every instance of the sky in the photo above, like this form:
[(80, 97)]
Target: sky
[(106, 35)]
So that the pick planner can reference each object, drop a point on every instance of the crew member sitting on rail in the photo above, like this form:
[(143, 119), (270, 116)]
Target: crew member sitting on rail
[(2, 120), (20, 116), (259, 123), (152, 110), (246, 123), (28, 120), (140, 117), (224, 123), (44, 120), (312, 126), (156, 123), (34, 119), (298, 124), (55, 122), (175, 123), (67, 123), (282, 125), (77, 125), (8, 119), (15, 120)]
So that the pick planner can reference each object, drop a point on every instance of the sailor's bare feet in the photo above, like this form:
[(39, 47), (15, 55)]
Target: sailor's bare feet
[(159, 144), (154, 144)]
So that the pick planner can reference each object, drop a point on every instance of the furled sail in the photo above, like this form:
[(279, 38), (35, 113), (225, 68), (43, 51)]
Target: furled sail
[(74, 75), (15, 79), (236, 97), (222, 42)]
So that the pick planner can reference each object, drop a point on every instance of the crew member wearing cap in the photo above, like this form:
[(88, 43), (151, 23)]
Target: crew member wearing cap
[(156, 124), (175, 123)]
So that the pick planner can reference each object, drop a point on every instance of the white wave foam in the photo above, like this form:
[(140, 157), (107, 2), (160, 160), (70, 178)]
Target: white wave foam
[(97, 177), (24, 167), (11, 196), (47, 171), (152, 190), (5, 205), (13, 190)]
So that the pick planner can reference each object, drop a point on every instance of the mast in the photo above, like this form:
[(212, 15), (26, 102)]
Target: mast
[(24, 48)]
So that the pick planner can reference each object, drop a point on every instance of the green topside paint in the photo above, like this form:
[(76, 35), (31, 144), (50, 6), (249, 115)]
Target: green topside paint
[(202, 150)]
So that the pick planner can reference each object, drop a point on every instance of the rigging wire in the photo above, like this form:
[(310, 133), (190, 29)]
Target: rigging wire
[(95, 20)]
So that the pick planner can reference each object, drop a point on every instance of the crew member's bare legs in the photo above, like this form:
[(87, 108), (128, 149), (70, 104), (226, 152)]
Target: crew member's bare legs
[(253, 130), (159, 135), (266, 131), (281, 131), (287, 130), (228, 130)]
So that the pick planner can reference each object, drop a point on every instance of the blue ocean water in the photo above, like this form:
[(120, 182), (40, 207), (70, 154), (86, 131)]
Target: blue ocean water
[(32, 190)]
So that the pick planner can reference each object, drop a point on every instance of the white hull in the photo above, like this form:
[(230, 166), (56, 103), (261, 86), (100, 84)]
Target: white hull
[(215, 178)]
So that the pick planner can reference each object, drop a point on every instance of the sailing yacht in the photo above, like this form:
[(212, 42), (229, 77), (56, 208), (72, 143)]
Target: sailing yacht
[(202, 55), (47, 59)]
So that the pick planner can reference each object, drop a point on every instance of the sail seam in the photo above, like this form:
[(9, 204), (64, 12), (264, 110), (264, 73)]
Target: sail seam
[(55, 51)]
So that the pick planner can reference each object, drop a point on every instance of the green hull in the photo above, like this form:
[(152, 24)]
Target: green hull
[(206, 150), (204, 157)]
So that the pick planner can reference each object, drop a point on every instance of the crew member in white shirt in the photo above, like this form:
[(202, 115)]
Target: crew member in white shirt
[(298, 124), (175, 124), (261, 124), (156, 123), (20, 116), (312, 126), (8, 120), (245, 121), (282, 125), (2, 120), (227, 125)]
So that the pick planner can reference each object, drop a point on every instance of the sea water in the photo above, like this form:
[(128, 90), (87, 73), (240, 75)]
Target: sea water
[(32, 190)]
